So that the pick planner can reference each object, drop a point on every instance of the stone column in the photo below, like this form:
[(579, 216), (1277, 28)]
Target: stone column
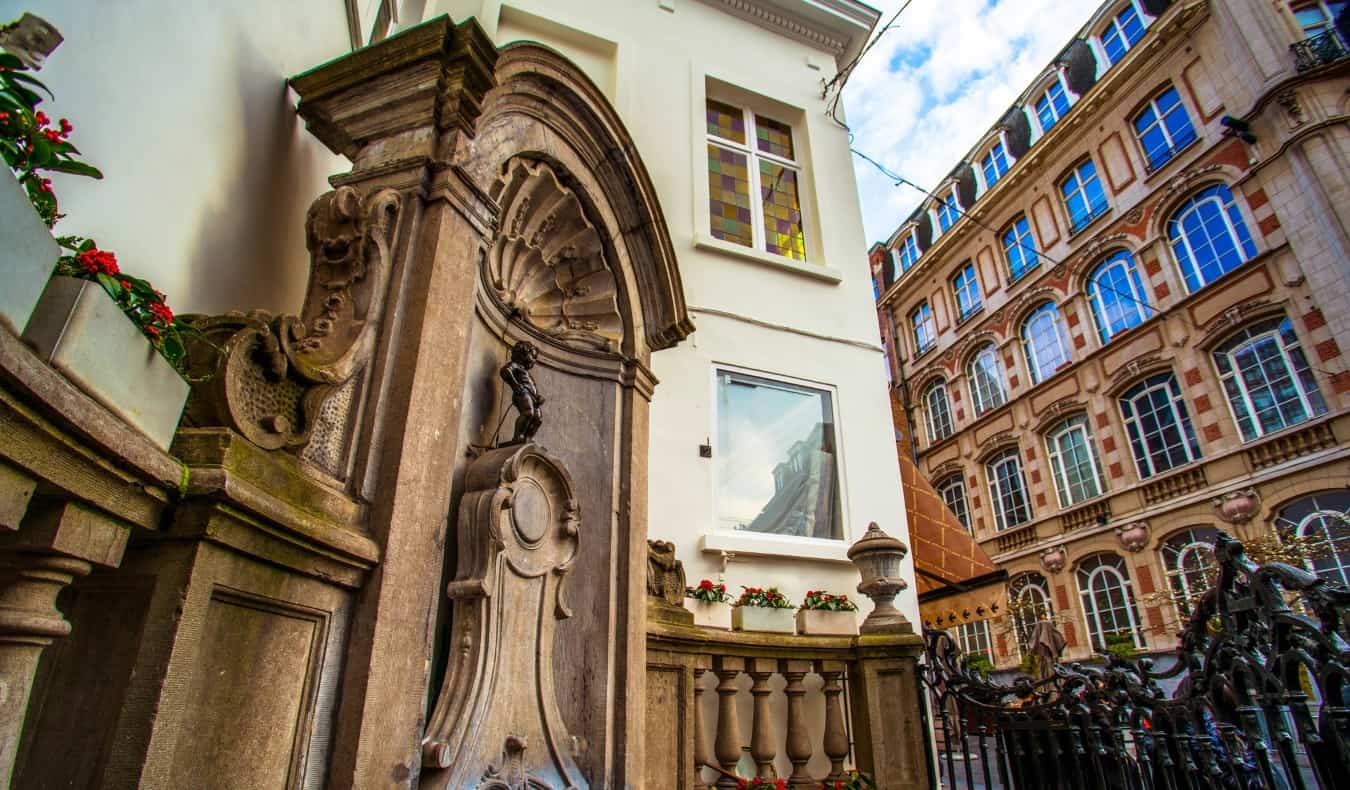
[(59, 542), (401, 110), (890, 739)]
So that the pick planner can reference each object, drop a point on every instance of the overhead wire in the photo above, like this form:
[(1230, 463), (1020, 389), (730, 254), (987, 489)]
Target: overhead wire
[(840, 78)]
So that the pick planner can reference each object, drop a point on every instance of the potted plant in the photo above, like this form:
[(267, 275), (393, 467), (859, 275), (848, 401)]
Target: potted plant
[(854, 780), (761, 784), (825, 614), (31, 145), (710, 604), (762, 610)]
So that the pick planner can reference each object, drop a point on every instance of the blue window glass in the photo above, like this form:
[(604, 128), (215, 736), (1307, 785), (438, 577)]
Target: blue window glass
[(1020, 248), (925, 331), (994, 164), (1163, 128), (907, 253), (1052, 106), (1122, 33), (1043, 342), (948, 212), (967, 290), (1083, 195), (1209, 237), (1117, 295)]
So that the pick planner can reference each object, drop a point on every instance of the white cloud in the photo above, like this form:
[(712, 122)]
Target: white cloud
[(934, 84)]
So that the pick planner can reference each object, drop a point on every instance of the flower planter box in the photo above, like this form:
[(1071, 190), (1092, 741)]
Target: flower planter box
[(82, 332), (760, 618), (822, 622), (710, 614), (28, 255)]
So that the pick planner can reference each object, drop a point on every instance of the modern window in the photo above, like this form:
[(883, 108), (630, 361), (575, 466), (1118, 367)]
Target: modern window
[(924, 328), (1209, 237), (1108, 601), (1008, 490), (948, 211), (1117, 295), (1029, 600), (1083, 195), (1161, 437), (967, 289), (986, 380), (1163, 128), (777, 458), (994, 164), (939, 412), (1188, 561), (1323, 521), (1043, 342), (752, 155), (1019, 248), (1073, 462), (1121, 33), (1267, 380), (1052, 105), (953, 491), (973, 639), (907, 253), (1316, 16)]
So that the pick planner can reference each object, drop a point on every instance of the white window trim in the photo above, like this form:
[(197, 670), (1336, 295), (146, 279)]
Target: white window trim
[(1236, 374), (1175, 221), (717, 540), (1090, 613), (1057, 468), (996, 502), (1028, 348), (981, 179), (1070, 97), (1192, 454), (973, 285), (1138, 299), (947, 483), (753, 156), (933, 432), (1145, 20), (975, 400), (925, 325)]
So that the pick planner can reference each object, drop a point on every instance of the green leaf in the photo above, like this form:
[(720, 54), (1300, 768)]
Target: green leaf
[(88, 244), (110, 285), (11, 61), (31, 80), (41, 155), (29, 98), (74, 168), (172, 348)]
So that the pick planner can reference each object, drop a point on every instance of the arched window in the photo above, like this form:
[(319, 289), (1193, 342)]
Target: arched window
[(1117, 295), (1043, 342), (1008, 490), (1121, 33), (1108, 602), (1163, 128), (1161, 436), (939, 412), (1188, 560), (986, 380), (1073, 461), (1209, 237), (953, 491), (1324, 521), (1266, 379), (1029, 599)]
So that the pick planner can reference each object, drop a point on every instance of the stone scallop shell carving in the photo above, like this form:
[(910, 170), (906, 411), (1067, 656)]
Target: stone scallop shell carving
[(547, 264)]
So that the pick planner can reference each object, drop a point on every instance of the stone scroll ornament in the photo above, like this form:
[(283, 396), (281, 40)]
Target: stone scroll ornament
[(496, 724), (291, 381)]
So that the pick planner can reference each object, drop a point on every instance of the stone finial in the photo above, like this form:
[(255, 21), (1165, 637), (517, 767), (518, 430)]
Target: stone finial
[(877, 556)]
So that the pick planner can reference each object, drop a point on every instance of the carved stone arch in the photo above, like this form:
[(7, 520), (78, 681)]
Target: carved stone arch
[(1027, 303), (1183, 185), (947, 469), (1137, 370), (1220, 327), (1004, 440), (972, 345), (1057, 412), (1097, 251)]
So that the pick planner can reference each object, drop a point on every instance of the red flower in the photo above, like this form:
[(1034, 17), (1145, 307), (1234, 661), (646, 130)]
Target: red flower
[(706, 584), (126, 285), (4, 117), (780, 784), (45, 185), (41, 118), (97, 261), (838, 785), (66, 128), (162, 312), (52, 135), (151, 330)]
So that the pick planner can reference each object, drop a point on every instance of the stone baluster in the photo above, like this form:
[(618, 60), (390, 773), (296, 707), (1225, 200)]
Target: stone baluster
[(836, 737), (763, 740), (798, 736), (700, 731), (728, 742)]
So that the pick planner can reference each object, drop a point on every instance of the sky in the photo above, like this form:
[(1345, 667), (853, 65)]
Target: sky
[(937, 81)]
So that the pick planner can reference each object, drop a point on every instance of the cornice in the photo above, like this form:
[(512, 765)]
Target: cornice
[(839, 27)]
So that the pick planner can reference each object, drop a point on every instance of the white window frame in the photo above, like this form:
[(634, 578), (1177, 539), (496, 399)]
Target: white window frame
[(753, 154), (1025, 244), (1029, 347), (1172, 147), (1058, 470), (948, 210), (1114, 24), (1081, 190), (1181, 422), (1311, 410), (986, 401), (907, 248), (970, 287), (1175, 224), (1320, 512), (923, 327), (1181, 545), (1091, 616), (970, 635), (940, 424), (1011, 455), (993, 163), (957, 482), (1136, 297), (1328, 18), (1018, 589), (1035, 113)]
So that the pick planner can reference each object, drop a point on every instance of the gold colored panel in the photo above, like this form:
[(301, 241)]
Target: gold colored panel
[(783, 232)]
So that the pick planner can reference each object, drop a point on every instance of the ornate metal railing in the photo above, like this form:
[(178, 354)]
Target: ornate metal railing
[(1258, 699), (1318, 50)]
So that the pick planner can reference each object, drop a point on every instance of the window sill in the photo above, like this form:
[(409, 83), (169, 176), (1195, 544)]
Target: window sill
[(923, 352), (767, 545), (1079, 231), (815, 271), (966, 317), (1150, 171)]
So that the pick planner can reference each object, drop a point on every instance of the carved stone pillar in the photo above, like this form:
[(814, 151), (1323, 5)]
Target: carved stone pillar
[(700, 731), (59, 542), (835, 742), (889, 735), (763, 741), (401, 110), (727, 745), (798, 736)]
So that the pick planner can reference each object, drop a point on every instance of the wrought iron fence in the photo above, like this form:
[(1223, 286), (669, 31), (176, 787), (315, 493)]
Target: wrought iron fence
[(1259, 700), (1318, 50)]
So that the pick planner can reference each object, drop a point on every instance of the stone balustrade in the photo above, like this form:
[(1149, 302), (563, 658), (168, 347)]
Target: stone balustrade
[(815, 706)]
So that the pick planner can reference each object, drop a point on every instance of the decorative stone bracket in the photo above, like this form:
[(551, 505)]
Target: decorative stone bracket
[(496, 724)]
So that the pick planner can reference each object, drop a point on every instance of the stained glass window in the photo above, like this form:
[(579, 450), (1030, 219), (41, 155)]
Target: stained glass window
[(783, 234), (729, 196), (737, 170)]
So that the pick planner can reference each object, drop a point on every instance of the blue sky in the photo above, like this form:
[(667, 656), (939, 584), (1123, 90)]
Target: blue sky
[(936, 82)]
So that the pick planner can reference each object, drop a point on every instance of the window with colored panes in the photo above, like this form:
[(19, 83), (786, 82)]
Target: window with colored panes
[(925, 330), (753, 181), (994, 164), (948, 212), (1052, 106), (967, 290), (1019, 248), (1083, 195), (1121, 33), (1163, 128), (907, 253)]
